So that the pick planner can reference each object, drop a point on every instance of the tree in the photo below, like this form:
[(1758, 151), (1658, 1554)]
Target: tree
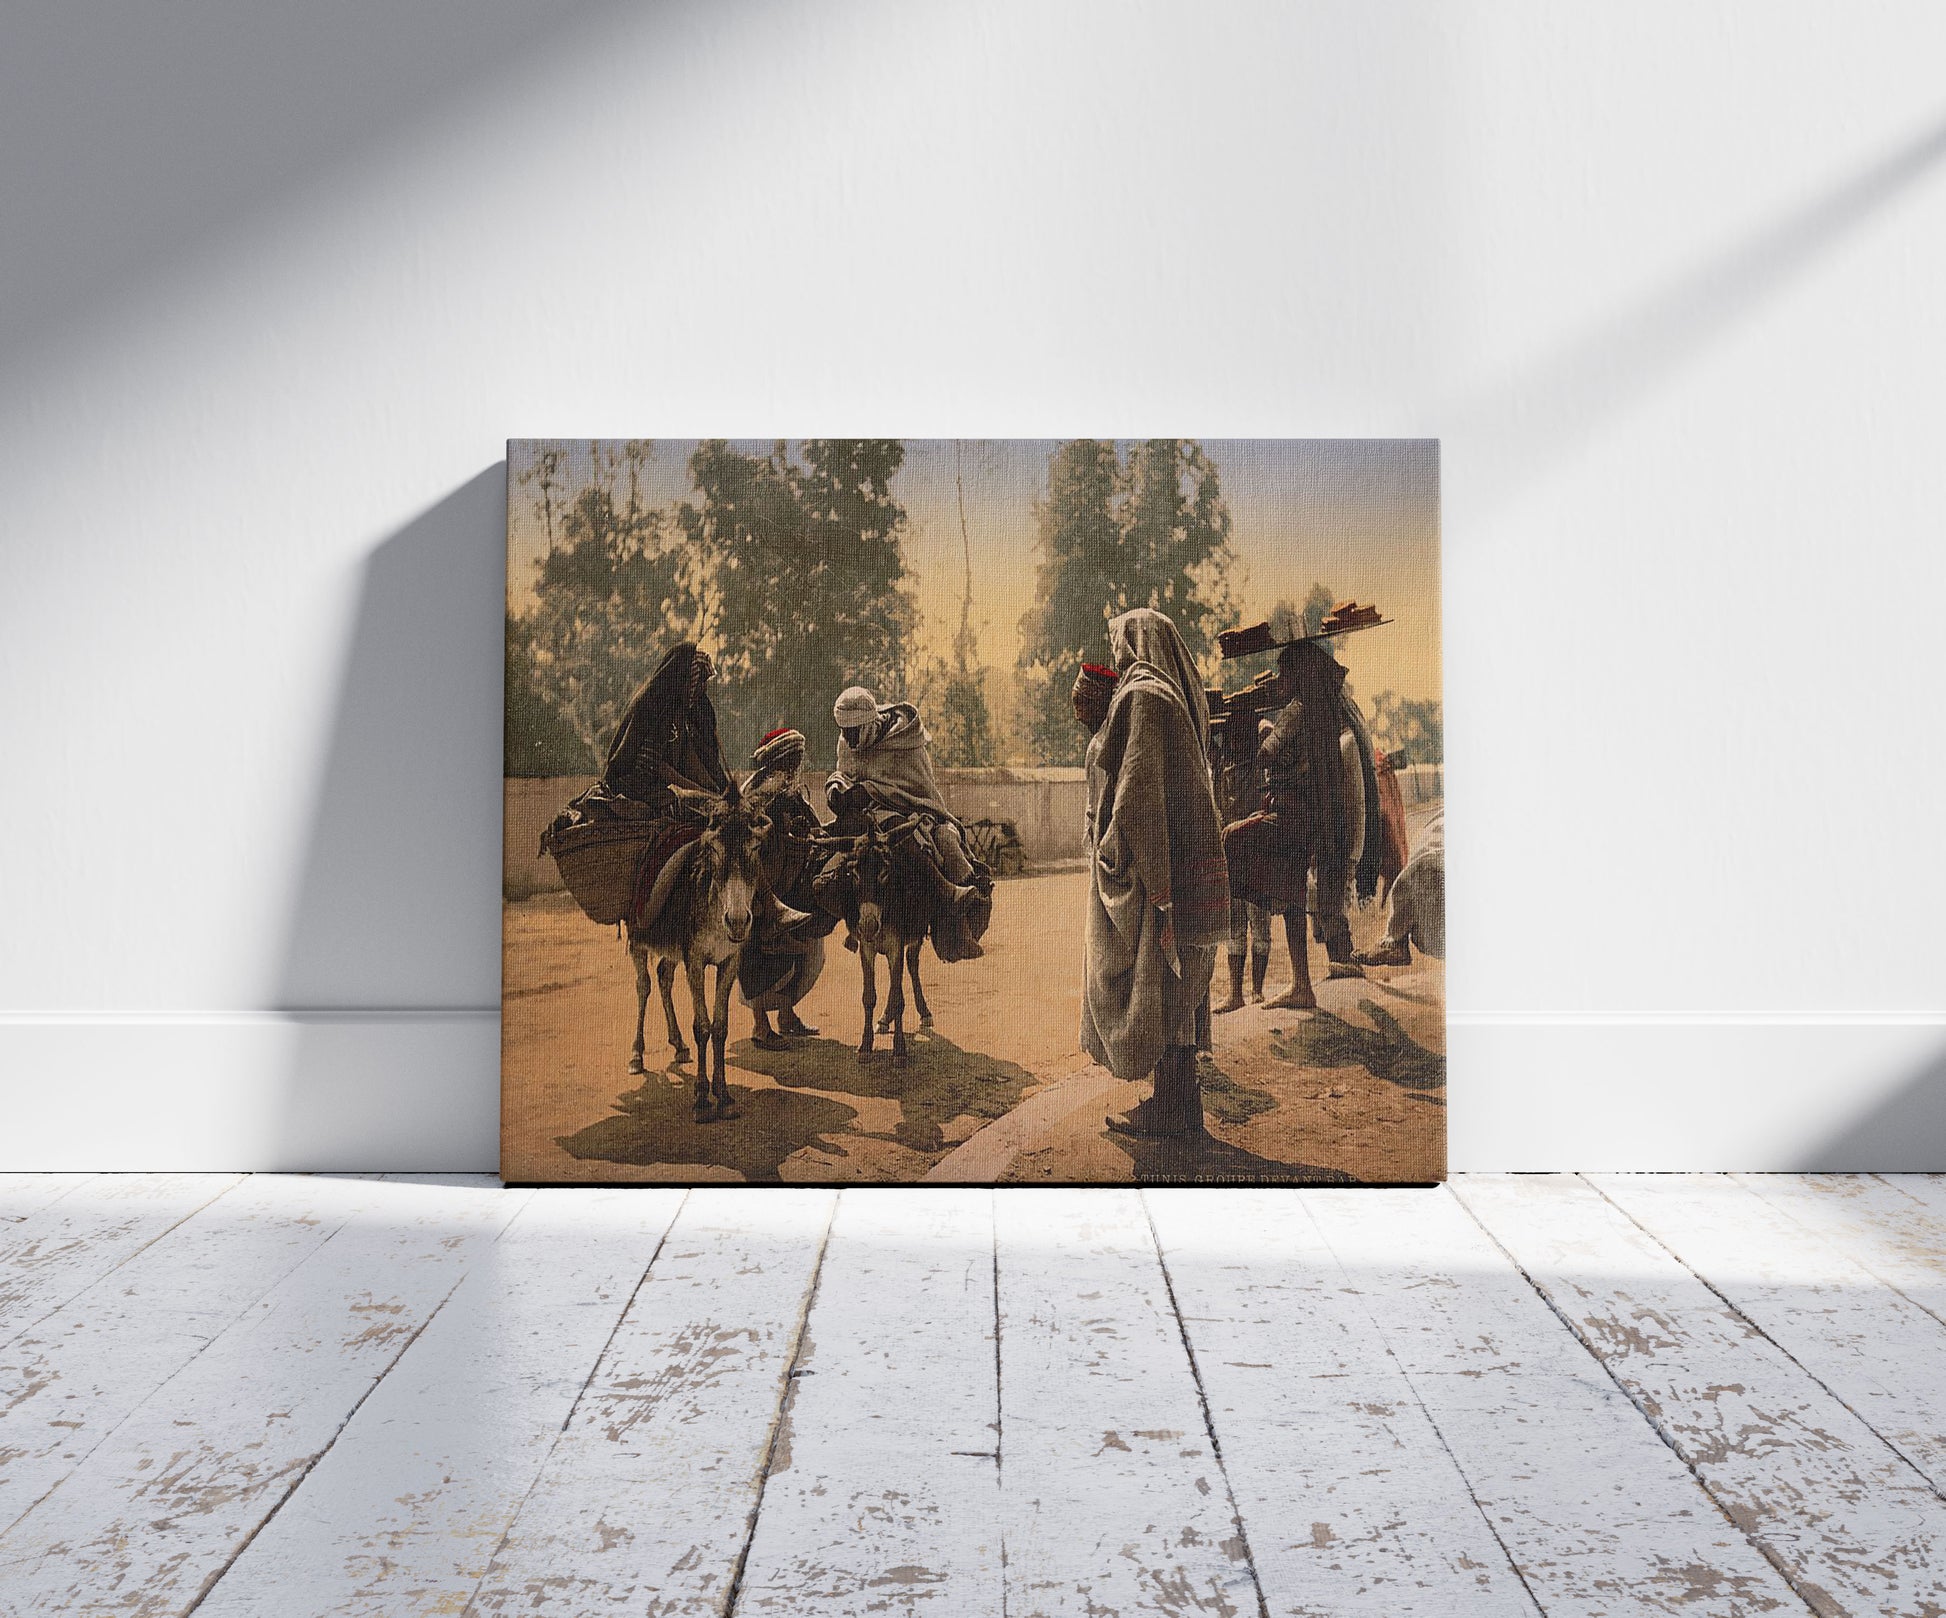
[(611, 598), (1153, 532), (963, 725), (539, 738), (1411, 730), (803, 581)]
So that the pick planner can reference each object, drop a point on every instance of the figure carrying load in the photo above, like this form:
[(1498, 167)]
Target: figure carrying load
[(1318, 832)]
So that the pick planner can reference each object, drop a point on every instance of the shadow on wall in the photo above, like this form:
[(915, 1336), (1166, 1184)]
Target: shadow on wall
[(1904, 1133), (1550, 408), (123, 162), (392, 956)]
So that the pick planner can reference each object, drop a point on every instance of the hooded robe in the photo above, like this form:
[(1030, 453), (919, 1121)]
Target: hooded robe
[(666, 742), (893, 760), (1158, 892), (665, 739)]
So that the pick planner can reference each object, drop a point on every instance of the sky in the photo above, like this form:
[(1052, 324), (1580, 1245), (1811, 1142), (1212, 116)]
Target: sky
[(1358, 515)]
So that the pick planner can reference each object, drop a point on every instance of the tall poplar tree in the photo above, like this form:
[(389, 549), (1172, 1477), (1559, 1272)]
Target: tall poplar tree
[(1150, 531)]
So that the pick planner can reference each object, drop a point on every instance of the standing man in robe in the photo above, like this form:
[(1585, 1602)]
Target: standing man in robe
[(1158, 894)]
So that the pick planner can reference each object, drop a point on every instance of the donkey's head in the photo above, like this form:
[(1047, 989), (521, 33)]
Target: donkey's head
[(732, 848), (872, 876)]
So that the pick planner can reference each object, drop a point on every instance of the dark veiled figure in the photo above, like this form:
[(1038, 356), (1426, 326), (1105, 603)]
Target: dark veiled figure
[(667, 742)]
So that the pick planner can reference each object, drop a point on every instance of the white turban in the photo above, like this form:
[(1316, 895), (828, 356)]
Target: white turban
[(855, 706)]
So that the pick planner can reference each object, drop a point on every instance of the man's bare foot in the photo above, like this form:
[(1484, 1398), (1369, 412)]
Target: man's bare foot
[(765, 1040), (790, 1023), (1344, 969), (1385, 953), (1291, 1000), (1234, 1003)]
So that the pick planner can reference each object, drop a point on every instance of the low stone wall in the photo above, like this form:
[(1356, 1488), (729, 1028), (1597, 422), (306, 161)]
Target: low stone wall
[(1048, 806), (531, 803)]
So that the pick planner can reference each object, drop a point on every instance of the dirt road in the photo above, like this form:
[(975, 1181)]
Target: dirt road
[(998, 1090)]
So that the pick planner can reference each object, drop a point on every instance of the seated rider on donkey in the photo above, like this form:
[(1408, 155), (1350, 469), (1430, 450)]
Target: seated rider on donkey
[(885, 775)]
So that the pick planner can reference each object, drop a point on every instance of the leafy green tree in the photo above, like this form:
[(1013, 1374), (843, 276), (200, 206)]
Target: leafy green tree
[(611, 597), (1411, 730), (539, 739), (801, 571), (1153, 531)]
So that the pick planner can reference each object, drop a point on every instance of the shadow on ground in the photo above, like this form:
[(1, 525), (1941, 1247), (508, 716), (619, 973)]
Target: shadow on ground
[(655, 1125), (940, 1081), (1228, 1101), (1385, 1050), (1207, 1160)]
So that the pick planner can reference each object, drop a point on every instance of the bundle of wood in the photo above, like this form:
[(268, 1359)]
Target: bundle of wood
[(1348, 615)]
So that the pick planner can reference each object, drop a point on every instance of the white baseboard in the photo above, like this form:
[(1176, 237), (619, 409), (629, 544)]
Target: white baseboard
[(1758, 1093), (420, 1090), (251, 1090)]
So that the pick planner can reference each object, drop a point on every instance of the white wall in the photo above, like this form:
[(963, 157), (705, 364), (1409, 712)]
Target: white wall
[(279, 281)]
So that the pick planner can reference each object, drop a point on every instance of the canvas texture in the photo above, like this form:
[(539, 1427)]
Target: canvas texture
[(973, 812)]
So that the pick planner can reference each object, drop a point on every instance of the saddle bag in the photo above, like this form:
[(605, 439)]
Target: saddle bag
[(599, 861)]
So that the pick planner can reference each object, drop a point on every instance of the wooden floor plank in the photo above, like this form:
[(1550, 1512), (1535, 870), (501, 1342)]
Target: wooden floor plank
[(1598, 1514), (884, 1494), (1113, 1499), (71, 1379), (1875, 1350), (1852, 1524), (1350, 1501), (154, 1514), (645, 1503), (22, 1194), (1894, 1224), (403, 1514), (60, 1249)]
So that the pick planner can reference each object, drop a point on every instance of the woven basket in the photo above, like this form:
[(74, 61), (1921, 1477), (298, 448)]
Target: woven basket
[(599, 863)]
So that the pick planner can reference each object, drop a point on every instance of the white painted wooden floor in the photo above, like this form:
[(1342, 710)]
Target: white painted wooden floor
[(1565, 1395)]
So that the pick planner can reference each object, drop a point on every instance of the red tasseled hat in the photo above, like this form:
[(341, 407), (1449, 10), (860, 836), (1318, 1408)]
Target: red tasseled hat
[(1098, 672), (772, 735)]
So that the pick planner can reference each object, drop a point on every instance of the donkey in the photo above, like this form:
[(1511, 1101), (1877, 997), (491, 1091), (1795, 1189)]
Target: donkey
[(704, 921), (889, 911)]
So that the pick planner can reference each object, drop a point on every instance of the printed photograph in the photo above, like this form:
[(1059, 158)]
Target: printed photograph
[(973, 812)]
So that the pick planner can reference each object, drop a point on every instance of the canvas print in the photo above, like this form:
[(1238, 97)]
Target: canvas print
[(973, 812)]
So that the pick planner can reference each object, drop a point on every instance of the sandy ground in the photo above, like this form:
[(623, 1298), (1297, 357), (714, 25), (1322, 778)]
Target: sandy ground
[(997, 1090)]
